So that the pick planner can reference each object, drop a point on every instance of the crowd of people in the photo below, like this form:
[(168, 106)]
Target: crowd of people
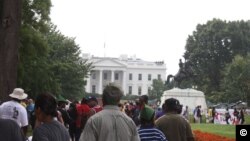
[(51, 120), (225, 116)]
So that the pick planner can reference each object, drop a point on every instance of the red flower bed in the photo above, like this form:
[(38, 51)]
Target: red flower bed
[(203, 136)]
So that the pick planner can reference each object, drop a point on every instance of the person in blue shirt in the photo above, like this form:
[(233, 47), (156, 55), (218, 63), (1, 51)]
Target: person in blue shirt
[(147, 130)]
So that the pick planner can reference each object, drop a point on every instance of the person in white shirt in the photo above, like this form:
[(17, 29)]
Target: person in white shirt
[(110, 124), (14, 110)]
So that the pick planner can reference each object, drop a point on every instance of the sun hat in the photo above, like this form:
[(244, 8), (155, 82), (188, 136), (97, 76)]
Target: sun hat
[(18, 93), (61, 99)]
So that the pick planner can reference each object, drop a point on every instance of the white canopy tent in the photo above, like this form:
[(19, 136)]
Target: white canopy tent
[(187, 97)]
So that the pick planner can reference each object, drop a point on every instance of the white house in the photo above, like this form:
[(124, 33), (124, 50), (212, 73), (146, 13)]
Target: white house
[(133, 75)]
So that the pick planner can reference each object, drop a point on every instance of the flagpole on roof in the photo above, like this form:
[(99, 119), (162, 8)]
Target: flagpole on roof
[(104, 46)]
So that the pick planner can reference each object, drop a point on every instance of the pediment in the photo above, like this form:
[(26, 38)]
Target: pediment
[(108, 63)]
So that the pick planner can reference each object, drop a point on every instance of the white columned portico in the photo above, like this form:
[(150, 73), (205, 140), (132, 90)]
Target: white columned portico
[(88, 84), (100, 82), (112, 76), (124, 82)]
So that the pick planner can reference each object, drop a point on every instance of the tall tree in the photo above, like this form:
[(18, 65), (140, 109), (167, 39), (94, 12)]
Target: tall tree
[(68, 68), (10, 17), (212, 46), (158, 87), (236, 83), (33, 68)]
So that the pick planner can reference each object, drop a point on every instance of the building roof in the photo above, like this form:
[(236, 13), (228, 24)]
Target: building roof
[(125, 61)]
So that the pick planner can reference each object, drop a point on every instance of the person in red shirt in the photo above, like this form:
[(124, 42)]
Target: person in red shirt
[(83, 113), (93, 104)]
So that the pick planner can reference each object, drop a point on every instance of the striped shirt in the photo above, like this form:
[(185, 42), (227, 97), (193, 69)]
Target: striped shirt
[(151, 134)]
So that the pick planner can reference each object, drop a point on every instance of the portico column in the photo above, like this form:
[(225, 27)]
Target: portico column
[(112, 76), (124, 82), (100, 82), (88, 84)]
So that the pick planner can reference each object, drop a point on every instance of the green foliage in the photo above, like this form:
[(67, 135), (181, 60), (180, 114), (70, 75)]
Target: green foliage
[(35, 14), (33, 68), (66, 65), (130, 97), (48, 60), (236, 82), (158, 87), (211, 47), (169, 85)]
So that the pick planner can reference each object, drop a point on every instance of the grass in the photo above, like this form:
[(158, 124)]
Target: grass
[(218, 129)]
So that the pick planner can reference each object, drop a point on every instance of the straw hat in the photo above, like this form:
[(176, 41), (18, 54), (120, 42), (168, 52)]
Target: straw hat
[(18, 93)]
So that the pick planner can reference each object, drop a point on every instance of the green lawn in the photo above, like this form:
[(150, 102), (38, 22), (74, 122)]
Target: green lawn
[(222, 130)]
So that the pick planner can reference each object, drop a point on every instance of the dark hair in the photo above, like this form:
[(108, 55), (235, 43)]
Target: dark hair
[(17, 100), (120, 105), (111, 95), (179, 109), (172, 105), (47, 103), (145, 98), (84, 100)]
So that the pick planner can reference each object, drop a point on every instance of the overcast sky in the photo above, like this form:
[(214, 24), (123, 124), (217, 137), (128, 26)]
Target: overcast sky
[(153, 30)]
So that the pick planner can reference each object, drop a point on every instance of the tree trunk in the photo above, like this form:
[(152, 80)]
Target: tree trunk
[(10, 22)]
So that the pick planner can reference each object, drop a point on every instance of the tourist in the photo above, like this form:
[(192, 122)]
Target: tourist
[(49, 129), (241, 117), (136, 113), (93, 104), (227, 116), (195, 113), (198, 114), (236, 116), (147, 130), (143, 100), (14, 110), (72, 111), (121, 107), (172, 124), (186, 113), (160, 112), (83, 114), (61, 107), (213, 114), (30, 108), (10, 131), (110, 124)]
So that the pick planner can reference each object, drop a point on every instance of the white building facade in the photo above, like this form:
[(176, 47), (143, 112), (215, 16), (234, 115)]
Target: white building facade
[(133, 75)]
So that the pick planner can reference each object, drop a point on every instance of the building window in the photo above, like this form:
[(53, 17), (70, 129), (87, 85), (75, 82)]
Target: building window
[(116, 76), (139, 90), (149, 77), (130, 76), (159, 77), (93, 89), (140, 76), (105, 76), (129, 89), (94, 76), (149, 90)]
